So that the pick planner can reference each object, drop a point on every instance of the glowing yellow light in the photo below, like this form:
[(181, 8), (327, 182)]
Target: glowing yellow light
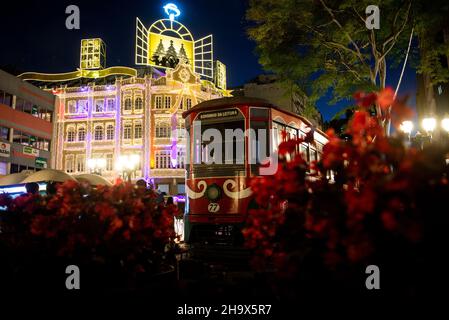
[(429, 124), (445, 124), (407, 127), (93, 54)]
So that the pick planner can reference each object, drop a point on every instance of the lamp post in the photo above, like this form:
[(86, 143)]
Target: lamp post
[(96, 165), (406, 127), (429, 124), (128, 164), (445, 124)]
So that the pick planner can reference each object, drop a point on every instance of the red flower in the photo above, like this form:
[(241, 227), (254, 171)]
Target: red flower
[(385, 98), (389, 221), (365, 100)]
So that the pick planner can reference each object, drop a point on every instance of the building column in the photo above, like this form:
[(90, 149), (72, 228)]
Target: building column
[(118, 130), (90, 128)]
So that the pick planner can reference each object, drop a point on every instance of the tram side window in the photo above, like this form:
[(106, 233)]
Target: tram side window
[(259, 150), (278, 130), (305, 152)]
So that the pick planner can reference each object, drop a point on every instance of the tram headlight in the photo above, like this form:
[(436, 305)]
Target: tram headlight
[(213, 192)]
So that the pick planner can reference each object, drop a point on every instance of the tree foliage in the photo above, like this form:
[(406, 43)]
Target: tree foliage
[(432, 27), (325, 45)]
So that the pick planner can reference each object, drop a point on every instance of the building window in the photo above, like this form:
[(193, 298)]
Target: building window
[(127, 131), (41, 143), (98, 133), (71, 106), (44, 114), (69, 164), (82, 134), (158, 102), (83, 106), (181, 188), (80, 163), (5, 98), (138, 104), (110, 105), (167, 102), (99, 106), (163, 159), (110, 132), (128, 104), (4, 132), (109, 162), (164, 188), (138, 131), (180, 163), (163, 130), (71, 134), (188, 103), (181, 131)]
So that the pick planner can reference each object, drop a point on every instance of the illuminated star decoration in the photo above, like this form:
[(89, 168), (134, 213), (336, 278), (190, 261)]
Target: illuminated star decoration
[(172, 11)]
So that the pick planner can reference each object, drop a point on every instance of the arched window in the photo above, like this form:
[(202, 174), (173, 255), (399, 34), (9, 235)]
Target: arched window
[(81, 134), (128, 104), (98, 133), (138, 103), (71, 134), (110, 132)]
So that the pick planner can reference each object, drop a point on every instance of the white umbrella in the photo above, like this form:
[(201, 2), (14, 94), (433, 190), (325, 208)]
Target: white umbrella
[(14, 178), (93, 179), (48, 175)]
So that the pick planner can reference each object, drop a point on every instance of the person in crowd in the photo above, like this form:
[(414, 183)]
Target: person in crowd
[(32, 188), (171, 207), (52, 188), (141, 184)]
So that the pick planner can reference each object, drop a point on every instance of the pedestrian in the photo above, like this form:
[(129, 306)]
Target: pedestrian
[(32, 188)]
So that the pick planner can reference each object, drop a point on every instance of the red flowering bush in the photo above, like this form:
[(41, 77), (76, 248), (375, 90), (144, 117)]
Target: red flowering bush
[(381, 207), (117, 229)]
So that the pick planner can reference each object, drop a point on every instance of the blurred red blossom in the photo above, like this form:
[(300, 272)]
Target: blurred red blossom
[(378, 192)]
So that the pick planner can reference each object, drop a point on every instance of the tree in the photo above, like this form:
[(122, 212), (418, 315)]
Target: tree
[(325, 45), (432, 28)]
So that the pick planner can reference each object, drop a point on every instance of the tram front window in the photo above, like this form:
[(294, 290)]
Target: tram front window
[(223, 143)]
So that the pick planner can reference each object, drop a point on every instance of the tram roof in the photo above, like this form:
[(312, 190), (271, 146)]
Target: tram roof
[(228, 101), (243, 101)]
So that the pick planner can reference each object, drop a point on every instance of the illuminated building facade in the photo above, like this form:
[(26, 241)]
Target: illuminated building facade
[(120, 113)]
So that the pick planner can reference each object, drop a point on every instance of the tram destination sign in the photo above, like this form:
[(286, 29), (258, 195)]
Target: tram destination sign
[(219, 114)]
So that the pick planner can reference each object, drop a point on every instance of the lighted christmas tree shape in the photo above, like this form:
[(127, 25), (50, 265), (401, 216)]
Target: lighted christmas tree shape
[(182, 54), (160, 52), (171, 51), (171, 56)]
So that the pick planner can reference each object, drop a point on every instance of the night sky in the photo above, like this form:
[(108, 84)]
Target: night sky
[(34, 37)]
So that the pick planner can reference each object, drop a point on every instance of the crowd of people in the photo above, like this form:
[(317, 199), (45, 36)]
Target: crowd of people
[(163, 202)]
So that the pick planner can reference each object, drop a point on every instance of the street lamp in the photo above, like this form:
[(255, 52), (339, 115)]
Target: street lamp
[(127, 164), (96, 165), (429, 125), (407, 127), (445, 124)]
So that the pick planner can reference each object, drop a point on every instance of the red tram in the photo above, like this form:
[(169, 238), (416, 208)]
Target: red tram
[(218, 193)]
